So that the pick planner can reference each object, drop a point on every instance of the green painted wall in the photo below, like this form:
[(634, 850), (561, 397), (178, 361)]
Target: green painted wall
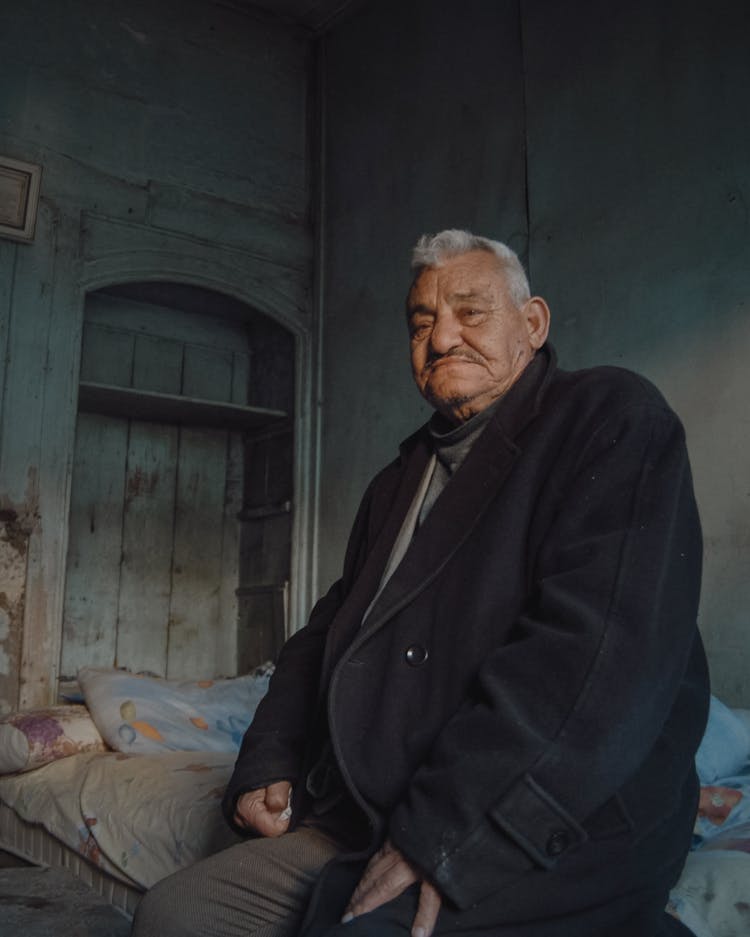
[(636, 117), (424, 130), (174, 140)]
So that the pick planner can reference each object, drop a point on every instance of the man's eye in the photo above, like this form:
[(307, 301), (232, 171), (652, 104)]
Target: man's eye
[(419, 329)]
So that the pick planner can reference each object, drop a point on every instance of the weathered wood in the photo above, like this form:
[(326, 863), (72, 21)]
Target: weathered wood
[(266, 544), (263, 613), (197, 566), (220, 75), (29, 479), (197, 572), (13, 552), (266, 235), (94, 545), (226, 637), (230, 70), (147, 544), (125, 307), (107, 354), (157, 367), (7, 266), (148, 521), (92, 584), (172, 408), (115, 251)]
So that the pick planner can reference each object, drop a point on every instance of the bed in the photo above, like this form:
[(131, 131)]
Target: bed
[(108, 791)]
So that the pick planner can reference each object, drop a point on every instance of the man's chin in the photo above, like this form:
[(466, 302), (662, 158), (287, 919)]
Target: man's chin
[(451, 405), (448, 395)]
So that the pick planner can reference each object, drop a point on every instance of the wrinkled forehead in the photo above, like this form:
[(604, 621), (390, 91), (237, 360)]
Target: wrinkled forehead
[(475, 276)]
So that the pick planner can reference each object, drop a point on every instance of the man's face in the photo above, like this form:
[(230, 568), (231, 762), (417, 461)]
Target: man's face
[(469, 341)]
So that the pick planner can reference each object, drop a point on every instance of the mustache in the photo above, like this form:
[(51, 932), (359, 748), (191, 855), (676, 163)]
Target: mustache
[(464, 354)]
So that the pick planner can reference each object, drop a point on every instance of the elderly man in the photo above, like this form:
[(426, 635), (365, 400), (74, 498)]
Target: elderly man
[(488, 725)]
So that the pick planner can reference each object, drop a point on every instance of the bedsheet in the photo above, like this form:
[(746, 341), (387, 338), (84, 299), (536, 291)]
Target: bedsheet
[(712, 897), (136, 817)]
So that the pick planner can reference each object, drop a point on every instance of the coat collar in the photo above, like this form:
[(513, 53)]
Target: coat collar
[(470, 491)]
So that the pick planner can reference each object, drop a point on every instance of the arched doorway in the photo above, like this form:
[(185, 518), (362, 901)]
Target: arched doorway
[(181, 504)]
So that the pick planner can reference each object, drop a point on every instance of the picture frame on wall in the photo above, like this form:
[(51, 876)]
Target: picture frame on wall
[(19, 198)]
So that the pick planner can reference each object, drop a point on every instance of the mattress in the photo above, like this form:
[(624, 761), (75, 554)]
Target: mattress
[(32, 842), (120, 822)]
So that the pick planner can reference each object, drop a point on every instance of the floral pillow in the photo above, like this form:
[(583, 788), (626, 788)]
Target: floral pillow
[(31, 739), (139, 714)]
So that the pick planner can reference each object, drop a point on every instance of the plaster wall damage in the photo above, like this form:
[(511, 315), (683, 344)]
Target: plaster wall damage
[(13, 552)]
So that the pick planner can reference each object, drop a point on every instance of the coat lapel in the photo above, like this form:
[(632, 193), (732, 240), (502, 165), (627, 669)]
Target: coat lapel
[(392, 504), (465, 499)]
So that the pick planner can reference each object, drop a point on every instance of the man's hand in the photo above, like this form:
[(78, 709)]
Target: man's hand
[(387, 875), (265, 810)]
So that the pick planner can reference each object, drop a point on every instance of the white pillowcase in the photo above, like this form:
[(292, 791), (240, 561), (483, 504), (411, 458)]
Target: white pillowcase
[(138, 714)]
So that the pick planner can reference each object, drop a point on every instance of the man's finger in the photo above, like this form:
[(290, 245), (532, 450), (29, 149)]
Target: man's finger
[(277, 796), (253, 813), (247, 804), (428, 909), (385, 878)]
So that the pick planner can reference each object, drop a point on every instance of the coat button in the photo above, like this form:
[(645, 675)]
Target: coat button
[(558, 843), (416, 655)]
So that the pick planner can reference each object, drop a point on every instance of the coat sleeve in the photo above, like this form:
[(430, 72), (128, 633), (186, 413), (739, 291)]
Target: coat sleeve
[(274, 745), (592, 682)]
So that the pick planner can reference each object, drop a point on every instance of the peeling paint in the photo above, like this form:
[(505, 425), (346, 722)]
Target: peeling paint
[(13, 555), (13, 532)]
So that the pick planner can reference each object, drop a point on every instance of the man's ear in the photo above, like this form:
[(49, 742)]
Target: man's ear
[(536, 314)]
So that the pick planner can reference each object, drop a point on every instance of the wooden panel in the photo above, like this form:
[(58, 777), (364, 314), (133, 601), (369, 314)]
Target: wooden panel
[(268, 468), (264, 234), (208, 373), (215, 70), (226, 638), (158, 364), (197, 569), (13, 552), (25, 375), (197, 572), (272, 374), (148, 523), (266, 545), (107, 355), (171, 408), (115, 249), (145, 576), (7, 264), (263, 613), (265, 551), (96, 510), (36, 397), (95, 544)]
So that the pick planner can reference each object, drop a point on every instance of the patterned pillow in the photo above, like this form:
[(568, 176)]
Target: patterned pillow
[(30, 739), (138, 714)]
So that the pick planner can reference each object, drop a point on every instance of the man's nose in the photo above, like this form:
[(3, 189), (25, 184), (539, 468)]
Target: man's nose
[(446, 333)]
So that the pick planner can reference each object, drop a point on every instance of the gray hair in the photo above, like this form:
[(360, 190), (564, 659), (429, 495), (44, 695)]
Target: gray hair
[(432, 250)]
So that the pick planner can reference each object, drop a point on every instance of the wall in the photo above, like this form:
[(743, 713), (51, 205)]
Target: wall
[(638, 180), (412, 145), (174, 144)]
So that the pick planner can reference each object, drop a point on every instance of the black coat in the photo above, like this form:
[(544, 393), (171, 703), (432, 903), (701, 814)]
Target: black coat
[(520, 712)]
